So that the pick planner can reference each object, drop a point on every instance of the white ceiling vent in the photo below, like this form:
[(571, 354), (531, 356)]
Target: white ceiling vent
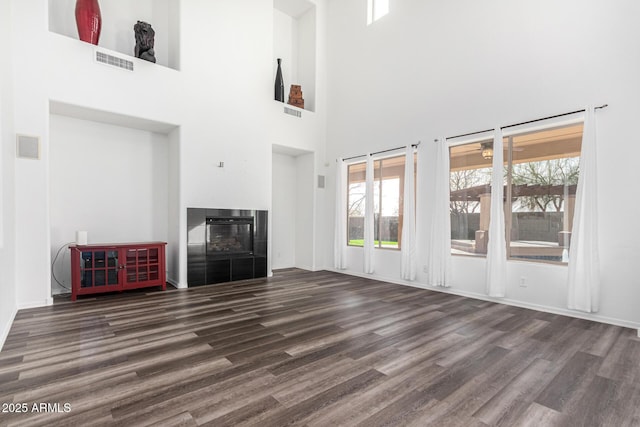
[(105, 58), (292, 112)]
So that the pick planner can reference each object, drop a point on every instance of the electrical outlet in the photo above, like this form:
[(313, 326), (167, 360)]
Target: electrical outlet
[(523, 282), (425, 269)]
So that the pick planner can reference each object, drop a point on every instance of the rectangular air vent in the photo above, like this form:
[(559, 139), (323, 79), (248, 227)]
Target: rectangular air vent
[(28, 147), (292, 112), (114, 61)]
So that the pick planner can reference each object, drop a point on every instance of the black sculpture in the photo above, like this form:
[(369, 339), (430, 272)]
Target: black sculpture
[(144, 41)]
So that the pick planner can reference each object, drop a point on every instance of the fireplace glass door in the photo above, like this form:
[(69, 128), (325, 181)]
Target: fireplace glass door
[(229, 236)]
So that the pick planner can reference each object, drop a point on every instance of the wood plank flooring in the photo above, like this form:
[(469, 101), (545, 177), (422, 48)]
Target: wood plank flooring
[(313, 349)]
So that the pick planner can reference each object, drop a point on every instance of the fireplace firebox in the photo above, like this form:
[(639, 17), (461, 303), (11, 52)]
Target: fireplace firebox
[(225, 245)]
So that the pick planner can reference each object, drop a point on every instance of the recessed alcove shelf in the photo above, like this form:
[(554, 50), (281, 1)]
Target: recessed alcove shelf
[(294, 40), (114, 175), (118, 19)]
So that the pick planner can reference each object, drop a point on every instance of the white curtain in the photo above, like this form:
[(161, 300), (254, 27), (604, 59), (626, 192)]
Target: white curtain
[(439, 252), (409, 257), (496, 249), (340, 238), (369, 222), (584, 265)]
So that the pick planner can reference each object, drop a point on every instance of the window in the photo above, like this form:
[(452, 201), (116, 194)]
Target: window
[(470, 197), (388, 189), (376, 9), (541, 176), (543, 179)]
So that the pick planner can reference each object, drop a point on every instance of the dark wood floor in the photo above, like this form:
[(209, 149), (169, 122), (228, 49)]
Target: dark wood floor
[(316, 349)]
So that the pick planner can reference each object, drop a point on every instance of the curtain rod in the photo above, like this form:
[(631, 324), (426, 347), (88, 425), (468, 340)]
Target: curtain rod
[(526, 123), (380, 152)]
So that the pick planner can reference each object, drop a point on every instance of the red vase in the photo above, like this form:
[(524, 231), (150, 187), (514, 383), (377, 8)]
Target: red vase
[(88, 20)]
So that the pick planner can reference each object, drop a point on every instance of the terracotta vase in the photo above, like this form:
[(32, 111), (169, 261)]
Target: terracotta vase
[(88, 20)]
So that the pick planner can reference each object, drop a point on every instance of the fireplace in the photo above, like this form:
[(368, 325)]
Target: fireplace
[(230, 235), (225, 245)]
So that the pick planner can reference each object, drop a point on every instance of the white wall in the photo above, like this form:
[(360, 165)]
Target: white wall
[(283, 211), (174, 30), (31, 117), (227, 88), (305, 204), (175, 226), (109, 180), (7, 155), (433, 69), (284, 31), (306, 47)]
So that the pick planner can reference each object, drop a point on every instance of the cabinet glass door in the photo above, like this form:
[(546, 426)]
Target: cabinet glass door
[(154, 271), (99, 268), (143, 265), (132, 265)]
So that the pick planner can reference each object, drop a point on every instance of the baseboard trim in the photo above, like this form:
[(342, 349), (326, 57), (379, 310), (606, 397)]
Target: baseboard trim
[(35, 304), (5, 332), (522, 304), (176, 285)]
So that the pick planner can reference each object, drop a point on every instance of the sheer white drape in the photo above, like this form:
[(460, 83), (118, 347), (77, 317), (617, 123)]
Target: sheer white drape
[(409, 256), (439, 251), (584, 266), (496, 249), (340, 238), (369, 223)]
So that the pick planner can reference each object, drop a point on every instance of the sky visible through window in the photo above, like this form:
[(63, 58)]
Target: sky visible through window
[(390, 196)]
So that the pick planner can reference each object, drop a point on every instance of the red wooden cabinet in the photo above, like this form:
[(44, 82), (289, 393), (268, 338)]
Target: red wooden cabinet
[(100, 268)]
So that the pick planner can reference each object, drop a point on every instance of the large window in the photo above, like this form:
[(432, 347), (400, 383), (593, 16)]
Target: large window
[(541, 176), (388, 189), (543, 179)]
